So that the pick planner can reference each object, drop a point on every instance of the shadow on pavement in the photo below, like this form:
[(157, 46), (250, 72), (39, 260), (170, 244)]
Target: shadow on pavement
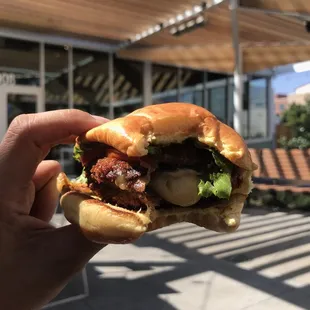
[(253, 256)]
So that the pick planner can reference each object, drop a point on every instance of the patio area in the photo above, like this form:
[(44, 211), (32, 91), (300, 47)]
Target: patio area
[(264, 265)]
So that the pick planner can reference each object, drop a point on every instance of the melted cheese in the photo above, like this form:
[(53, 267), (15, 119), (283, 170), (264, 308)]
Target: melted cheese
[(179, 187), (121, 182)]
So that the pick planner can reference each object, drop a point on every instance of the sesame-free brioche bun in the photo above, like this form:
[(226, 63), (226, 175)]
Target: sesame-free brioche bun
[(158, 124), (171, 123)]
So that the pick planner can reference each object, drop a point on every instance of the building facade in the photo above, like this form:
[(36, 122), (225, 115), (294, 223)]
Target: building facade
[(37, 77)]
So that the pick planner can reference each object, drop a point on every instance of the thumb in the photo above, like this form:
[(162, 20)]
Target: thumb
[(71, 249), (65, 253), (49, 260)]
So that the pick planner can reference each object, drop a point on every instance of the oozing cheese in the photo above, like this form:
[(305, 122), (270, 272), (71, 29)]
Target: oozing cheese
[(121, 182), (179, 187)]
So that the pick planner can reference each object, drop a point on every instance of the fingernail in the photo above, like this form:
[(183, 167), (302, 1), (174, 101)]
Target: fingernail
[(100, 119)]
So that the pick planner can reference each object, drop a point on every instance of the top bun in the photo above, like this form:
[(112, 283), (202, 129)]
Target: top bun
[(171, 123)]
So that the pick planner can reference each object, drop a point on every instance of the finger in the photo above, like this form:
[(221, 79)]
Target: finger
[(100, 119), (46, 197), (29, 138)]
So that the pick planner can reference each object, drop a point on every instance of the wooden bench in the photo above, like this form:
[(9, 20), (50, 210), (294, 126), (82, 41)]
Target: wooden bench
[(282, 170)]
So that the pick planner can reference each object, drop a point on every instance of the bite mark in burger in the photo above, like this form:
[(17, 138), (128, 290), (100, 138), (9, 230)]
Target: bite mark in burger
[(157, 166)]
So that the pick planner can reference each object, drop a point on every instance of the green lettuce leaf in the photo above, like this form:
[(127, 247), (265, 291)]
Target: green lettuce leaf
[(219, 185), (77, 152), (82, 178)]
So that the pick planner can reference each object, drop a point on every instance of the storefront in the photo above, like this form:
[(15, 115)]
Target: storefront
[(37, 76)]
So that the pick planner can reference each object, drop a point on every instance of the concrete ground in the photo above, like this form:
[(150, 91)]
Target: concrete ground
[(264, 265)]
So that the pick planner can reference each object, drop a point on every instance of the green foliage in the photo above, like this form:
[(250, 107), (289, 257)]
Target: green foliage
[(296, 142), (297, 117), (279, 199)]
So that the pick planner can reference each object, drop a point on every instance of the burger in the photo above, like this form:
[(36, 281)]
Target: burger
[(159, 165)]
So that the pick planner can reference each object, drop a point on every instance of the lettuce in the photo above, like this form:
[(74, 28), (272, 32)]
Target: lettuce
[(77, 152), (82, 178), (219, 185)]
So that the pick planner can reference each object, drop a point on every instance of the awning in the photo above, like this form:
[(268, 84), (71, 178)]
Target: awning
[(271, 33)]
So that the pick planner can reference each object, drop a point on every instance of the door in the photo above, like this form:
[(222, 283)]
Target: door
[(16, 100)]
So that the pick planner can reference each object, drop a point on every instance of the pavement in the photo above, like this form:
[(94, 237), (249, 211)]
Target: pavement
[(264, 265)]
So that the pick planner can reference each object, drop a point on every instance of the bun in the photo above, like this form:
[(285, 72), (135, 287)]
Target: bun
[(104, 223), (107, 224), (171, 123), (101, 222)]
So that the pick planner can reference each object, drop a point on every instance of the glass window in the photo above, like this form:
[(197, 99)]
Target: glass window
[(91, 82), (128, 86), (187, 96), (123, 110), (164, 84), (218, 102), (19, 62), (56, 77), (198, 98), (20, 104), (258, 108)]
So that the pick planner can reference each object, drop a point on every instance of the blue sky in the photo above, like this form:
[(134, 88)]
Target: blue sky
[(287, 83)]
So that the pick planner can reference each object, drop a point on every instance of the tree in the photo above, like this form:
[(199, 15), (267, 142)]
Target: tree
[(297, 117)]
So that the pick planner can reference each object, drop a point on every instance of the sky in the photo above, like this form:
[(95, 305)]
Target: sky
[(287, 83)]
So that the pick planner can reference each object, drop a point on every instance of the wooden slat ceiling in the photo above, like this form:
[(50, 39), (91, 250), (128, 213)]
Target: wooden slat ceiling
[(108, 19), (212, 57), (220, 58), (210, 47), (253, 26), (298, 6), (206, 48)]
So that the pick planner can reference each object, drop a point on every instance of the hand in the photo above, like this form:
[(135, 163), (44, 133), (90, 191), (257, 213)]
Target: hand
[(36, 259)]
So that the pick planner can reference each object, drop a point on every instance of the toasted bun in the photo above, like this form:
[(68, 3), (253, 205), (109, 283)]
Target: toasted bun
[(101, 222), (170, 123), (104, 223)]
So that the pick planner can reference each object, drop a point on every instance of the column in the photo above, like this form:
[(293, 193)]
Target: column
[(111, 86), (238, 75), (147, 83), (70, 78), (41, 100)]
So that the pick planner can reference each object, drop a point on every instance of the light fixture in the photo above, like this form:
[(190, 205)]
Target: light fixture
[(190, 23), (180, 17), (188, 13), (173, 30), (188, 26), (200, 19), (197, 8), (190, 19), (157, 28), (171, 21)]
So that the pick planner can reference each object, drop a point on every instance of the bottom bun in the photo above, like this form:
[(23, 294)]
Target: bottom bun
[(104, 223), (101, 222), (223, 216)]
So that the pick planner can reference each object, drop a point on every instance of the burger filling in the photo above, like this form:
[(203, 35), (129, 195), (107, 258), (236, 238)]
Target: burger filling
[(180, 174)]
